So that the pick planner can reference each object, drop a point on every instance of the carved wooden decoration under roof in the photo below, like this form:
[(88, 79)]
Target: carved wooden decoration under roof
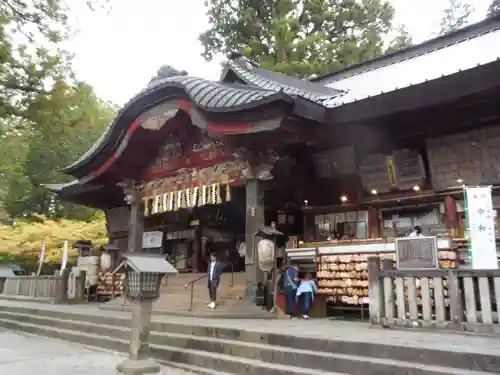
[(470, 158), (400, 171), (337, 162), (187, 151)]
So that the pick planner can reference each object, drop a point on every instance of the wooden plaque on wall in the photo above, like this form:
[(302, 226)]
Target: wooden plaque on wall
[(336, 162), (401, 170), (117, 219), (460, 156)]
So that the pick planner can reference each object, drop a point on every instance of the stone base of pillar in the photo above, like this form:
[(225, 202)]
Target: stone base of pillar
[(251, 292), (254, 277), (138, 367)]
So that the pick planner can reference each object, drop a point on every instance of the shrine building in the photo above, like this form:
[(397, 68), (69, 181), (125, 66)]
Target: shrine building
[(342, 163)]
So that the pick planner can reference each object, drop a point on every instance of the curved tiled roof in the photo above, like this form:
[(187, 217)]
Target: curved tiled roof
[(443, 56), (249, 73), (224, 99)]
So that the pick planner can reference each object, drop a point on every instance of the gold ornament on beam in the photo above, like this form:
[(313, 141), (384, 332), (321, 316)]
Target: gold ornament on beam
[(218, 198), (228, 192), (170, 202), (194, 197), (210, 195), (175, 207), (159, 208), (165, 202), (186, 198), (203, 199), (187, 195), (179, 199), (154, 209)]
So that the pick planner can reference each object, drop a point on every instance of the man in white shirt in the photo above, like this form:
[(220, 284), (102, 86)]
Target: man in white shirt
[(214, 273), (417, 232)]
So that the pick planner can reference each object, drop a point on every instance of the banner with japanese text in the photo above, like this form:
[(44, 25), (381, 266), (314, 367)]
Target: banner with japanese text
[(480, 218)]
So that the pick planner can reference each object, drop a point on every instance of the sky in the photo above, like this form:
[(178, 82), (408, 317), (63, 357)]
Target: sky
[(118, 51)]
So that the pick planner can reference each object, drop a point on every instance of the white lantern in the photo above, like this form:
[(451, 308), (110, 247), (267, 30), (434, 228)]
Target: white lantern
[(105, 262), (265, 249)]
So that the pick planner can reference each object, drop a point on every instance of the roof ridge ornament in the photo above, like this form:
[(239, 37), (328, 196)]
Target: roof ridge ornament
[(236, 55), (166, 71)]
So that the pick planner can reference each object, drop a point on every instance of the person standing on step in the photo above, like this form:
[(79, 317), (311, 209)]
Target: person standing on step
[(214, 274), (305, 294), (290, 284)]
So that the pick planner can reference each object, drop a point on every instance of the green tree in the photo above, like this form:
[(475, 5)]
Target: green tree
[(68, 121), (31, 58), (494, 8), (455, 16), (402, 40), (46, 118), (30, 32), (298, 37)]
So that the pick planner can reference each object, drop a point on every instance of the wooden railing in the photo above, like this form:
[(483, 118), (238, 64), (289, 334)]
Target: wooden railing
[(465, 300), (53, 288)]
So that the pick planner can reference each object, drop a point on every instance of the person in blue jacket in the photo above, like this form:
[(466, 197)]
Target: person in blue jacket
[(290, 285)]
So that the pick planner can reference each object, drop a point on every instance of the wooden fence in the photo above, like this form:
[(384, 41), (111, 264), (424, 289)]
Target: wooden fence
[(465, 300), (53, 288)]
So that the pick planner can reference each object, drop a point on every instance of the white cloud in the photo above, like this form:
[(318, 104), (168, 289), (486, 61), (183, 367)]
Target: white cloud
[(118, 52)]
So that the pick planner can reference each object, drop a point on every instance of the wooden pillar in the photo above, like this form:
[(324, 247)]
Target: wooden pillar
[(62, 287), (254, 221), (136, 219), (196, 258), (373, 223), (310, 234), (451, 216)]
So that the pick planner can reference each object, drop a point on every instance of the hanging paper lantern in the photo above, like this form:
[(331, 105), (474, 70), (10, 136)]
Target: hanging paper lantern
[(105, 262), (265, 249)]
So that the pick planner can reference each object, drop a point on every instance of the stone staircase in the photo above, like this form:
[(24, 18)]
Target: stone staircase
[(212, 349), (175, 299)]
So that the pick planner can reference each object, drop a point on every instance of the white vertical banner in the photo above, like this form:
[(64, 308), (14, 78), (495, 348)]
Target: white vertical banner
[(64, 261), (481, 227), (41, 260)]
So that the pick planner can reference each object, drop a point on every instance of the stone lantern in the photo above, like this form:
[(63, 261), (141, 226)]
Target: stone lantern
[(142, 286)]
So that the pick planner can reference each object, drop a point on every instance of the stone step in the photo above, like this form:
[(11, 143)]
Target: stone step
[(192, 369), (202, 311), (222, 349), (179, 304), (227, 363)]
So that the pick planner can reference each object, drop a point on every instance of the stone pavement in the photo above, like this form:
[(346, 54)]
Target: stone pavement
[(23, 354), (315, 328)]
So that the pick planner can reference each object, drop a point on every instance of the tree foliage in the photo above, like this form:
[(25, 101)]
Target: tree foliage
[(299, 37), (30, 32), (23, 241), (47, 118), (455, 16), (403, 39), (494, 8), (66, 123)]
